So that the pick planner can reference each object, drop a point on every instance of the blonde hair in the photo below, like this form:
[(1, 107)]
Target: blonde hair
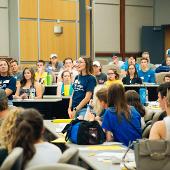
[(7, 129), (97, 106)]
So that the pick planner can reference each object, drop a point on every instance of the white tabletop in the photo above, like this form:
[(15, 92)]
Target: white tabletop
[(37, 100)]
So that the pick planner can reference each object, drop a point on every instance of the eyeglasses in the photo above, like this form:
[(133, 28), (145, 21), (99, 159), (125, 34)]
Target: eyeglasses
[(110, 74)]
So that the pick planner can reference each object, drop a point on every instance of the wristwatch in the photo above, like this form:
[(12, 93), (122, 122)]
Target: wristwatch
[(75, 109)]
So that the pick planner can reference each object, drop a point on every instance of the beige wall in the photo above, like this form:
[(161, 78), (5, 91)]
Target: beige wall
[(4, 33), (107, 26), (162, 12), (137, 14)]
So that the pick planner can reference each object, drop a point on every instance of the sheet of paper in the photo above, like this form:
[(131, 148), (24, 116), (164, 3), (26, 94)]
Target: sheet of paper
[(103, 147)]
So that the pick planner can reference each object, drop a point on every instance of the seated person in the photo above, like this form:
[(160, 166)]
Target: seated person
[(3, 105), (131, 60), (146, 74), (40, 74), (28, 88), (54, 66), (132, 76), (133, 99), (101, 101), (16, 73), (161, 129), (116, 62), (68, 66), (167, 55), (167, 78), (146, 55), (28, 135), (121, 122), (112, 77), (7, 132), (7, 82), (97, 71), (164, 68), (65, 87)]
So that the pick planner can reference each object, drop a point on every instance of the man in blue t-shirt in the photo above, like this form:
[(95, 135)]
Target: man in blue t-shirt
[(146, 74)]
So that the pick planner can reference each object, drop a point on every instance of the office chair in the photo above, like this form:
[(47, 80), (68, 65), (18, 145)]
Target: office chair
[(13, 160)]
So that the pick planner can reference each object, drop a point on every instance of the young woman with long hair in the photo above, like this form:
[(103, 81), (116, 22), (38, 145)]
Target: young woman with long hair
[(83, 88), (121, 122), (29, 130), (27, 84), (132, 76)]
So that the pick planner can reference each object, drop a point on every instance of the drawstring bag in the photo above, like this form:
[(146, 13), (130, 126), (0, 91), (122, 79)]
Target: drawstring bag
[(152, 154), (84, 132)]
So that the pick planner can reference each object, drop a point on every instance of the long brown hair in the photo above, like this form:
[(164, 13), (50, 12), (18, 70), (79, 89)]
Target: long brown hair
[(116, 99), (133, 99), (89, 64), (29, 126)]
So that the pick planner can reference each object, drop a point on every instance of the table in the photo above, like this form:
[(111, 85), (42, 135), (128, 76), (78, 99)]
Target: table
[(152, 90), (49, 108), (88, 156)]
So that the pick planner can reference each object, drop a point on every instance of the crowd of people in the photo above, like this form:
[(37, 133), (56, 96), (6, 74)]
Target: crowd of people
[(120, 113)]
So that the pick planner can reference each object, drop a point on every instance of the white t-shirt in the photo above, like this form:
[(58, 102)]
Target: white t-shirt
[(46, 153)]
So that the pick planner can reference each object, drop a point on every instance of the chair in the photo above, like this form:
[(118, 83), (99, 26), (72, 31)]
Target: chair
[(57, 166), (146, 131), (70, 156), (13, 160), (160, 76)]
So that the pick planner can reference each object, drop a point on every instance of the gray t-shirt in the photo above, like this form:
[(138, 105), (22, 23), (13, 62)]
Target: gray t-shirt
[(101, 78), (46, 153)]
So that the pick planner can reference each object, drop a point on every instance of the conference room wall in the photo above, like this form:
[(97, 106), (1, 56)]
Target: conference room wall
[(161, 11), (137, 14), (4, 33)]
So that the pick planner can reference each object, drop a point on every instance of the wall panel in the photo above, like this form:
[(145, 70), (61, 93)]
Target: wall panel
[(62, 44), (58, 9), (28, 8), (28, 41)]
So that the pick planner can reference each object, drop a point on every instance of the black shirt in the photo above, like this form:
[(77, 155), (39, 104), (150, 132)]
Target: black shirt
[(128, 81)]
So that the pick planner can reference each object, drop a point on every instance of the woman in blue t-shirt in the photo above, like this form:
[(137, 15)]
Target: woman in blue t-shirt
[(7, 82), (121, 122), (83, 88)]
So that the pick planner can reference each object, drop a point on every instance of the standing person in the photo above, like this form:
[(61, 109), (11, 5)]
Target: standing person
[(3, 105), (161, 129), (146, 74), (16, 73), (40, 74), (132, 76), (121, 122), (112, 77), (27, 84), (65, 88), (83, 87), (7, 82), (101, 77), (28, 135)]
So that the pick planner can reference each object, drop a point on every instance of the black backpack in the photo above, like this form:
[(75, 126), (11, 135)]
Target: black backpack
[(84, 132)]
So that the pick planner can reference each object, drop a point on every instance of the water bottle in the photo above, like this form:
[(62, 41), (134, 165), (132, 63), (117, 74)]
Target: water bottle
[(142, 94), (49, 79), (88, 111), (32, 93)]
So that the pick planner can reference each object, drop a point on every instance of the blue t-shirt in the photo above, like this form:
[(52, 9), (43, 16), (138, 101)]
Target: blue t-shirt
[(126, 65), (148, 76), (121, 129), (82, 84), (8, 82)]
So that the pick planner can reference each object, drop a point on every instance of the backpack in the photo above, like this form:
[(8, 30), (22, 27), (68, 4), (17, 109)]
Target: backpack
[(84, 132)]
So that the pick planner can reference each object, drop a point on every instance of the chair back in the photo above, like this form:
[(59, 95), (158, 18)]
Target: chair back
[(57, 166), (70, 156), (13, 160)]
